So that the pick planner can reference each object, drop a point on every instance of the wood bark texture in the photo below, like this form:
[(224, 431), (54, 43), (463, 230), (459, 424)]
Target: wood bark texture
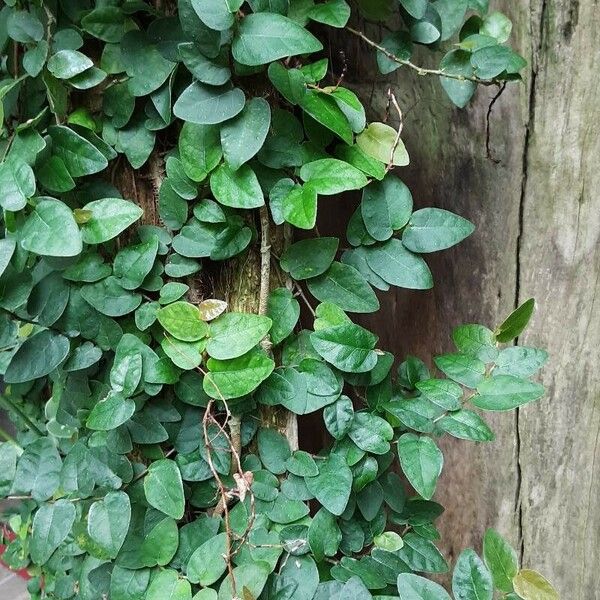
[(536, 206)]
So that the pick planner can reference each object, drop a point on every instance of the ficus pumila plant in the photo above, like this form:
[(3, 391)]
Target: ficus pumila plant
[(157, 162)]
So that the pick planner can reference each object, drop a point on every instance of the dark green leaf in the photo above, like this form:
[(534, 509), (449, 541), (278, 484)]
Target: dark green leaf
[(505, 392), (421, 461), (516, 322), (432, 229), (332, 486), (208, 105), (164, 489), (51, 525)]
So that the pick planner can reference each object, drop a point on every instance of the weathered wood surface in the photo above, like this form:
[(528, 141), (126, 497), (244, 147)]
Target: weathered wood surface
[(537, 213)]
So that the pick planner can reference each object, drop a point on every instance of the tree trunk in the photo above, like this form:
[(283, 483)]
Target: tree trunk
[(534, 201)]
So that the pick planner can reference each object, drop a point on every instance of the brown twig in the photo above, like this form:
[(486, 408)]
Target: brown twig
[(392, 100), (488, 149)]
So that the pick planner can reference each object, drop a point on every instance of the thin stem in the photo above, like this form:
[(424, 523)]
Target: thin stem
[(302, 295), (265, 260), (19, 411), (417, 68)]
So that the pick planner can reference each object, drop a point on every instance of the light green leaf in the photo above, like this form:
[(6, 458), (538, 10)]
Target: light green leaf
[(109, 298), (501, 560), (109, 217), (237, 377), (39, 355), (414, 587), (207, 563), (442, 392), (371, 433), (111, 412), (68, 63), (324, 109), (466, 425), (329, 176), (183, 321), (421, 554), (200, 150), (51, 526), (167, 585), (530, 585), (164, 489), (79, 156), (332, 486), (516, 322), (334, 13), (7, 249), (496, 25), (265, 37), (309, 258), (208, 105), (238, 189), (17, 184), (185, 355), (421, 461), (433, 229), (108, 522), (389, 541), (284, 311), (51, 230), (378, 140), (471, 580), (477, 341), (250, 577), (519, 361), (300, 206), (234, 334), (505, 392), (345, 286), (243, 136), (461, 368), (38, 470)]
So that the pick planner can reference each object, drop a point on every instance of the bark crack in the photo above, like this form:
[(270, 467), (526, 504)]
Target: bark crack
[(536, 52)]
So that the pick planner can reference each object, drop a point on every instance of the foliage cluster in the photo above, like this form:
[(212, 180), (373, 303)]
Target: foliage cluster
[(142, 463)]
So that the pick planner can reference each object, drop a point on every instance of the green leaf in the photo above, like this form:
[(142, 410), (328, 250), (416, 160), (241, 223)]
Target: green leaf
[(466, 425), (334, 13), (128, 584), (214, 13), (519, 361), (53, 175), (491, 61), (167, 585), (238, 189), (265, 37), (183, 321), (345, 286), (496, 25), (338, 417), (208, 105), (51, 526), (530, 585), (414, 587), (386, 206), (442, 392), (371, 433), (471, 580), (108, 522), (79, 156), (163, 488), (234, 334), (347, 347), (109, 217), (111, 412), (309, 258), (273, 449), (421, 554), (324, 109), (302, 464), (38, 470), (516, 322), (238, 377), (17, 182), (433, 229), (202, 68), (331, 176), (39, 355), (109, 298), (133, 263), (284, 311), (290, 83), (51, 230), (400, 45), (477, 341), (250, 577), (501, 560), (107, 23), (300, 206), (398, 266), (415, 8), (68, 63), (461, 368), (460, 91), (332, 486), (389, 541), (378, 140), (243, 136), (421, 461), (185, 355), (199, 149), (207, 563), (505, 392), (324, 535), (24, 27), (7, 249)]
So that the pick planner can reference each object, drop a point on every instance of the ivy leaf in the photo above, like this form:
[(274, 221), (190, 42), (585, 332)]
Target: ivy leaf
[(284, 311), (208, 105), (214, 13), (324, 109), (199, 149), (505, 392), (415, 587), (300, 206), (331, 176), (238, 189), (185, 355), (519, 361), (421, 554), (210, 309), (347, 347), (105, 23), (309, 258), (466, 425), (338, 417), (378, 140), (167, 585), (386, 207), (371, 433), (111, 412), (127, 584), (51, 526), (398, 266), (530, 585), (183, 321), (334, 13), (442, 392), (207, 563), (17, 182), (243, 136), (471, 580), (24, 27), (39, 355), (501, 560), (109, 298), (164, 489), (7, 249), (461, 368), (51, 230), (265, 37), (250, 577), (79, 156), (202, 68), (332, 486), (345, 286), (237, 377), (433, 229), (516, 322), (475, 340), (108, 522), (458, 62), (273, 449), (108, 218), (234, 334), (324, 535), (68, 63), (421, 461), (133, 263)]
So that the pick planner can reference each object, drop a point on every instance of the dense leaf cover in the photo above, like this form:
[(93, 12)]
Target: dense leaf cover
[(141, 467)]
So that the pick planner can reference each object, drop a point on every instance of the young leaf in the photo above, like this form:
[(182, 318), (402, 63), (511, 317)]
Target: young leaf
[(421, 461), (378, 140), (234, 334), (330, 176), (111, 412), (471, 580), (516, 322), (108, 218), (183, 321), (501, 560), (530, 585)]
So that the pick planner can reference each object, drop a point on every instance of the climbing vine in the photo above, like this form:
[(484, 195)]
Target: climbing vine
[(163, 325)]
